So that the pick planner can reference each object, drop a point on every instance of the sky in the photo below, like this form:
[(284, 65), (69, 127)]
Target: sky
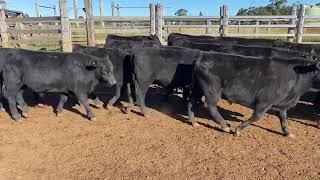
[(208, 7)]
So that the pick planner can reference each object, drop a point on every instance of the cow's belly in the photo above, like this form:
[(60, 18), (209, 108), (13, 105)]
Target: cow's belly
[(49, 81)]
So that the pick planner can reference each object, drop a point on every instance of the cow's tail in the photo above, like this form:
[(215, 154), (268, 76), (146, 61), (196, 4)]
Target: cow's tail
[(196, 60), (1, 90), (134, 80)]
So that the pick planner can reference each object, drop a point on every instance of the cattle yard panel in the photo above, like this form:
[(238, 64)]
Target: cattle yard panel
[(295, 24), (64, 31)]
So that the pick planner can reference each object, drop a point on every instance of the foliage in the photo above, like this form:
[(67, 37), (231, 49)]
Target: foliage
[(181, 12), (275, 7)]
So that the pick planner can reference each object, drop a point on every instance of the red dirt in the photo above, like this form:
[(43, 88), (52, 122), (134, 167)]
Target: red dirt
[(129, 146)]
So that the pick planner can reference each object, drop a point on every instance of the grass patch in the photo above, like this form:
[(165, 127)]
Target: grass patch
[(35, 47)]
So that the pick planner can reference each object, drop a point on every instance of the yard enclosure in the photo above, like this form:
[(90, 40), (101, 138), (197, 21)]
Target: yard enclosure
[(91, 30)]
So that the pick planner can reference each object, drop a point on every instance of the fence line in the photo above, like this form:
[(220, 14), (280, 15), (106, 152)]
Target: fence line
[(62, 29)]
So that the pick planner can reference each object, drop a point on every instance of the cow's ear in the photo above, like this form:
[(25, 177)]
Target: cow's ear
[(312, 51), (92, 65)]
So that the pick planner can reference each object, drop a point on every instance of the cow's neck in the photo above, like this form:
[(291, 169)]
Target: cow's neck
[(303, 83)]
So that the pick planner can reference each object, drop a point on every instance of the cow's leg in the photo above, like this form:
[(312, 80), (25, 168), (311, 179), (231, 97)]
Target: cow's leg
[(259, 110), (96, 100), (83, 99), (282, 114), (115, 97), (12, 101), (186, 93), (1, 105), (194, 94), (63, 99), (191, 105), (141, 90), (131, 103), (39, 96), (22, 104), (213, 94), (217, 117)]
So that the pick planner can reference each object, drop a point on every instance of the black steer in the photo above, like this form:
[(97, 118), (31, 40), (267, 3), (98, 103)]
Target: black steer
[(75, 73), (169, 66), (256, 51), (122, 69), (153, 38), (307, 48), (122, 42), (260, 83)]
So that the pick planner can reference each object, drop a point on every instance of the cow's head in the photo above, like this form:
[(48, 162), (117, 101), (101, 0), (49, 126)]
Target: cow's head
[(311, 55), (103, 69), (316, 76)]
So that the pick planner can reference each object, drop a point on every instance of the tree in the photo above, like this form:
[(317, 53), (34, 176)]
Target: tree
[(200, 13), (275, 7), (181, 12)]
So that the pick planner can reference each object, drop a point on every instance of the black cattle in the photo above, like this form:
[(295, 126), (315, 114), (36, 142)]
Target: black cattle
[(169, 66), (122, 72), (133, 38), (22, 104), (123, 42), (308, 48), (255, 51), (260, 83), (210, 39), (75, 73), (122, 69)]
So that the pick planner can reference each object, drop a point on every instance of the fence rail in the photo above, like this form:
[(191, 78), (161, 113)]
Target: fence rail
[(62, 30)]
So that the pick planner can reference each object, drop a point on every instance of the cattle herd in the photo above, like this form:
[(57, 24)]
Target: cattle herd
[(265, 75)]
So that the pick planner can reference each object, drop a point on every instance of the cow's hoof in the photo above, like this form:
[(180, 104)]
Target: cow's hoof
[(226, 129), (107, 107), (98, 104), (291, 136), (16, 117), (319, 124), (2, 109), (58, 114), (25, 114), (40, 105), (238, 132), (93, 119), (146, 116), (128, 110), (195, 124)]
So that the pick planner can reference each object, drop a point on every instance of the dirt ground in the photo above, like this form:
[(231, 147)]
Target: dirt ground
[(164, 146)]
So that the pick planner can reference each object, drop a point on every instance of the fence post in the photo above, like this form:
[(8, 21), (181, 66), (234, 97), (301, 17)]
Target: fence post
[(3, 28), (208, 28), (75, 8), (118, 9), (256, 27), (89, 23), (224, 20), (101, 11), (37, 9), (302, 12), (292, 22), (159, 13), (112, 8), (65, 27), (269, 23), (152, 18)]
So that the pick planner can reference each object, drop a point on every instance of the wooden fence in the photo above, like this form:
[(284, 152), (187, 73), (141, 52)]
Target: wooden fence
[(64, 31)]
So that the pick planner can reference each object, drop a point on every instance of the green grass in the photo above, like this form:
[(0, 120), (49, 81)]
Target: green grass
[(37, 47)]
